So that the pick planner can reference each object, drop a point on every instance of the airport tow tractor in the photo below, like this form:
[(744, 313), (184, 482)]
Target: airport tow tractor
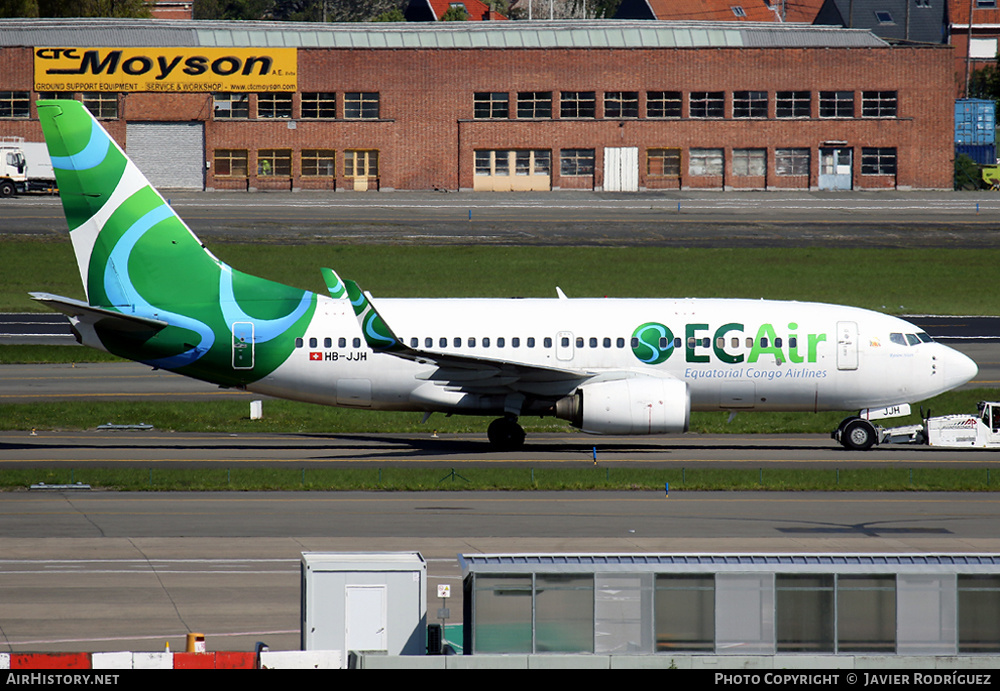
[(979, 431)]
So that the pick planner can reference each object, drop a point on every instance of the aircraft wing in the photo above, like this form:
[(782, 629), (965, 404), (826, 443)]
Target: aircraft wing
[(479, 375), (81, 312)]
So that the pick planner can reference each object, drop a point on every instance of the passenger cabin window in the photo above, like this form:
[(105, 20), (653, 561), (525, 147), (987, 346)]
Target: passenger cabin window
[(515, 342), (357, 342), (547, 342)]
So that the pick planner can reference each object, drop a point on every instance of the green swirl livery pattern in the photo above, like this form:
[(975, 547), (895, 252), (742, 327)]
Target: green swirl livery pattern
[(378, 336), (646, 341), (145, 261)]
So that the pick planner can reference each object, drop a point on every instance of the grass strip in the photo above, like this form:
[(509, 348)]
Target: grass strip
[(291, 417), (520, 478), (897, 281)]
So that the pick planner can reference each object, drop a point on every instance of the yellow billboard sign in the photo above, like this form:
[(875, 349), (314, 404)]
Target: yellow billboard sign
[(166, 69)]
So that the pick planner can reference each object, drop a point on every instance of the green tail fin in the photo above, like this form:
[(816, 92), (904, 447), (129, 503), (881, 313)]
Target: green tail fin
[(137, 257)]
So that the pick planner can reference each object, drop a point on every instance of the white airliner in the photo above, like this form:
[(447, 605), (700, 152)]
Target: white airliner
[(609, 366)]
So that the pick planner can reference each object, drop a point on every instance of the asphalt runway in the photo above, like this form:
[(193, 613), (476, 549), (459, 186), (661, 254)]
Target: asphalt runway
[(679, 218), (92, 571)]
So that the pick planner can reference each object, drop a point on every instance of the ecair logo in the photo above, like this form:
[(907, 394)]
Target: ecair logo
[(96, 62), (654, 343)]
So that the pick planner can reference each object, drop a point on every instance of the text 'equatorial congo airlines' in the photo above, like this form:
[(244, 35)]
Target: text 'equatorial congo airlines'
[(609, 366)]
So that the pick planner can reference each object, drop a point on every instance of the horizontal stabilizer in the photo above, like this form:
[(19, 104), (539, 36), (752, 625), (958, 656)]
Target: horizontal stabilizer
[(79, 311)]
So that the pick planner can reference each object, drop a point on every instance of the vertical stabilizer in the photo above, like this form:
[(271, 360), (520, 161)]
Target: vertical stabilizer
[(138, 258), (123, 231)]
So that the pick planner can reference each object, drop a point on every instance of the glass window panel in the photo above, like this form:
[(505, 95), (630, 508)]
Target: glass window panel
[(978, 614), (663, 104), (319, 105), (228, 106), (534, 104), (16, 104), (361, 105), (685, 612), (791, 161), (274, 106), (318, 163), (804, 613), (564, 613), (502, 614), (749, 104), (577, 104), (866, 614)]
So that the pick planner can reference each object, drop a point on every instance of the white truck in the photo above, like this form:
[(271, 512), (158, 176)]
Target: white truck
[(24, 167), (978, 431)]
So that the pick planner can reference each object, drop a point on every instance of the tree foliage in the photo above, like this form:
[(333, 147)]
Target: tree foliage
[(74, 8)]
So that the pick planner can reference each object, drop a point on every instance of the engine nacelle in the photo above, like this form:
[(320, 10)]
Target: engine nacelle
[(639, 405)]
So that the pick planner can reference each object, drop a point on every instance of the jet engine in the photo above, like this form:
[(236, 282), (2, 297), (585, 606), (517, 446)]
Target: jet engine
[(637, 405)]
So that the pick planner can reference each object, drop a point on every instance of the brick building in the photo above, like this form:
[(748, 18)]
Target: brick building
[(610, 105)]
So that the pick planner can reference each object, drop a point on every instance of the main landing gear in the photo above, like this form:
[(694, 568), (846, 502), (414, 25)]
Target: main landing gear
[(505, 434)]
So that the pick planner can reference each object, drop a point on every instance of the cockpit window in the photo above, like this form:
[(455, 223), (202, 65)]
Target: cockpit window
[(912, 339), (898, 339), (924, 338)]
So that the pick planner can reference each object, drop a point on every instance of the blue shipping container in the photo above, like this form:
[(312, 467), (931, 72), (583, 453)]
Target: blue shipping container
[(975, 121), (983, 154)]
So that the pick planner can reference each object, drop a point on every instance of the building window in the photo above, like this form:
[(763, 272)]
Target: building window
[(663, 104), (503, 606), (316, 105), (231, 163), (490, 162), (878, 161), (318, 163), (707, 104), (748, 162), (878, 104), (360, 163), (534, 104), (577, 104), (749, 104), (663, 163), (836, 104), (978, 613), (804, 613), (274, 163), (791, 162), (792, 104), (983, 48), (564, 613), (576, 162), (101, 105), (866, 614), (491, 105), (621, 104), (15, 104), (705, 162), (361, 106), (685, 612), (229, 106), (884, 17), (535, 162), (986, 3), (274, 106)]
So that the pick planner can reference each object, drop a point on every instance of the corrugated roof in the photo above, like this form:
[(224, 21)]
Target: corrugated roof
[(124, 33), (710, 563)]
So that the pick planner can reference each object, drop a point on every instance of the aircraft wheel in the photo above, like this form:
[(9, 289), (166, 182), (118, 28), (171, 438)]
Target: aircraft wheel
[(505, 434), (859, 435)]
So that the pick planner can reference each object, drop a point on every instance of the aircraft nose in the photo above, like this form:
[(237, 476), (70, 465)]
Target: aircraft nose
[(959, 368)]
